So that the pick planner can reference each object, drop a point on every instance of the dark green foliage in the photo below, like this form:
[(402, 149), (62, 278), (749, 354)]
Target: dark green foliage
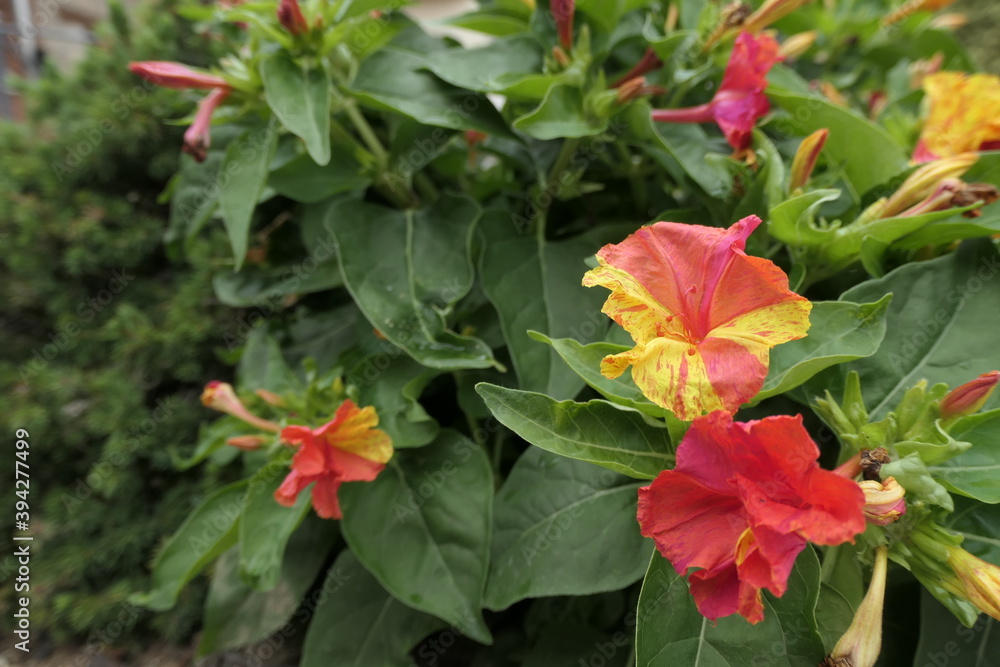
[(105, 342)]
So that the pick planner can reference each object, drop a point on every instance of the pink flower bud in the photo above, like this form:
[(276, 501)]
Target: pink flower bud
[(562, 12), (175, 75), (248, 442), (291, 18), (970, 397)]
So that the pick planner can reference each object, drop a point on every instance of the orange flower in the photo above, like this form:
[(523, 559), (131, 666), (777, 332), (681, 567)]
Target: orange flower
[(346, 449), (963, 115), (702, 313)]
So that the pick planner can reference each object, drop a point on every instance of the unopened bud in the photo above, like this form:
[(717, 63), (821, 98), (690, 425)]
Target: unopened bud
[(796, 45), (975, 580), (291, 18), (912, 7), (221, 396), (949, 21), (831, 93), (924, 181), (861, 644), (805, 158), (247, 442), (970, 397), (270, 398), (769, 12), (560, 56), (649, 63)]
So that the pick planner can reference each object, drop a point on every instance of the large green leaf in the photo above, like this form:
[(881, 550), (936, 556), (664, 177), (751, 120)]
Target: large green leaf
[(262, 365), (671, 632), (585, 360), (209, 531), (853, 140), (940, 324), (793, 220), (303, 180), (975, 472), (423, 529), (617, 438), (392, 80), (237, 615), (265, 288), (266, 527), (513, 266), (513, 63), (406, 270), (241, 181), (945, 642), (358, 624), (563, 527), (562, 113), (839, 332), (299, 95), (394, 384)]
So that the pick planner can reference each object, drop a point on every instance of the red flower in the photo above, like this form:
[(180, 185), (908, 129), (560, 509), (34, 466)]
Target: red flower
[(347, 449), (741, 504), (740, 100)]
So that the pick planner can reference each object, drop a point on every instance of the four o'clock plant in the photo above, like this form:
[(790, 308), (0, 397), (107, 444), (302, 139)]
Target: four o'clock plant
[(612, 330)]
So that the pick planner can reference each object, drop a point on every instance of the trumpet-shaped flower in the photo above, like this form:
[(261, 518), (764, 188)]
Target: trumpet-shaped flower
[(740, 100), (741, 504), (703, 314), (963, 115), (347, 449), (970, 397), (222, 397)]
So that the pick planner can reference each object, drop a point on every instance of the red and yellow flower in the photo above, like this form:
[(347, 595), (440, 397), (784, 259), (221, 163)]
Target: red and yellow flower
[(741, 504), (740, 100), (346, 449), (703, 314), (963, 115)]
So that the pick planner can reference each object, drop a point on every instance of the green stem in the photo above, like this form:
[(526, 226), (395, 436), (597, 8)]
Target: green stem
[(551, 185), (367, 133), (640, 194)]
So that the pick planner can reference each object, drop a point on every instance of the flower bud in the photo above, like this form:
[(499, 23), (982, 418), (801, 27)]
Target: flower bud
[(924, 180), (248, 442), (884, 501), (270, 398), (970, 397), (796, 45), (975, 580), (806, 157), (176, 76), (562, 12), (291, 18), (950, 21), (648, 63), (912, 7), (861, 644), (221, 396), (769, 12)]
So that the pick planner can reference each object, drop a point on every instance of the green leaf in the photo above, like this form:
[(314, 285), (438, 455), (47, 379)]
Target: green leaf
[(236, 615), (976, 472), (833, 616), (266, 526), (265, 288), (839, 332), (562, 113), (498, 67), (392, 80), (793, 220), (912, 474), (617, 438), (194, 198), (940, 324), (209, 531), (489, 22), (585, 360), (263, 367), (406, 270), (211, 438), (246, 165), (852, 142), (394, 386), (552, 513), (948, 230), (513, 266), (944, 641), (299, 95), (423, 529), (303, 180), (670, 631), (358, 624)]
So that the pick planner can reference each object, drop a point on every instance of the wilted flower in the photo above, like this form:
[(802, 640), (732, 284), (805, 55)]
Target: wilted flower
[(970, 397), (924, 181), (740, 100), (346, 449), (885, 501), (221, 396), (702, 313), (963, 115), (741, 504)]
